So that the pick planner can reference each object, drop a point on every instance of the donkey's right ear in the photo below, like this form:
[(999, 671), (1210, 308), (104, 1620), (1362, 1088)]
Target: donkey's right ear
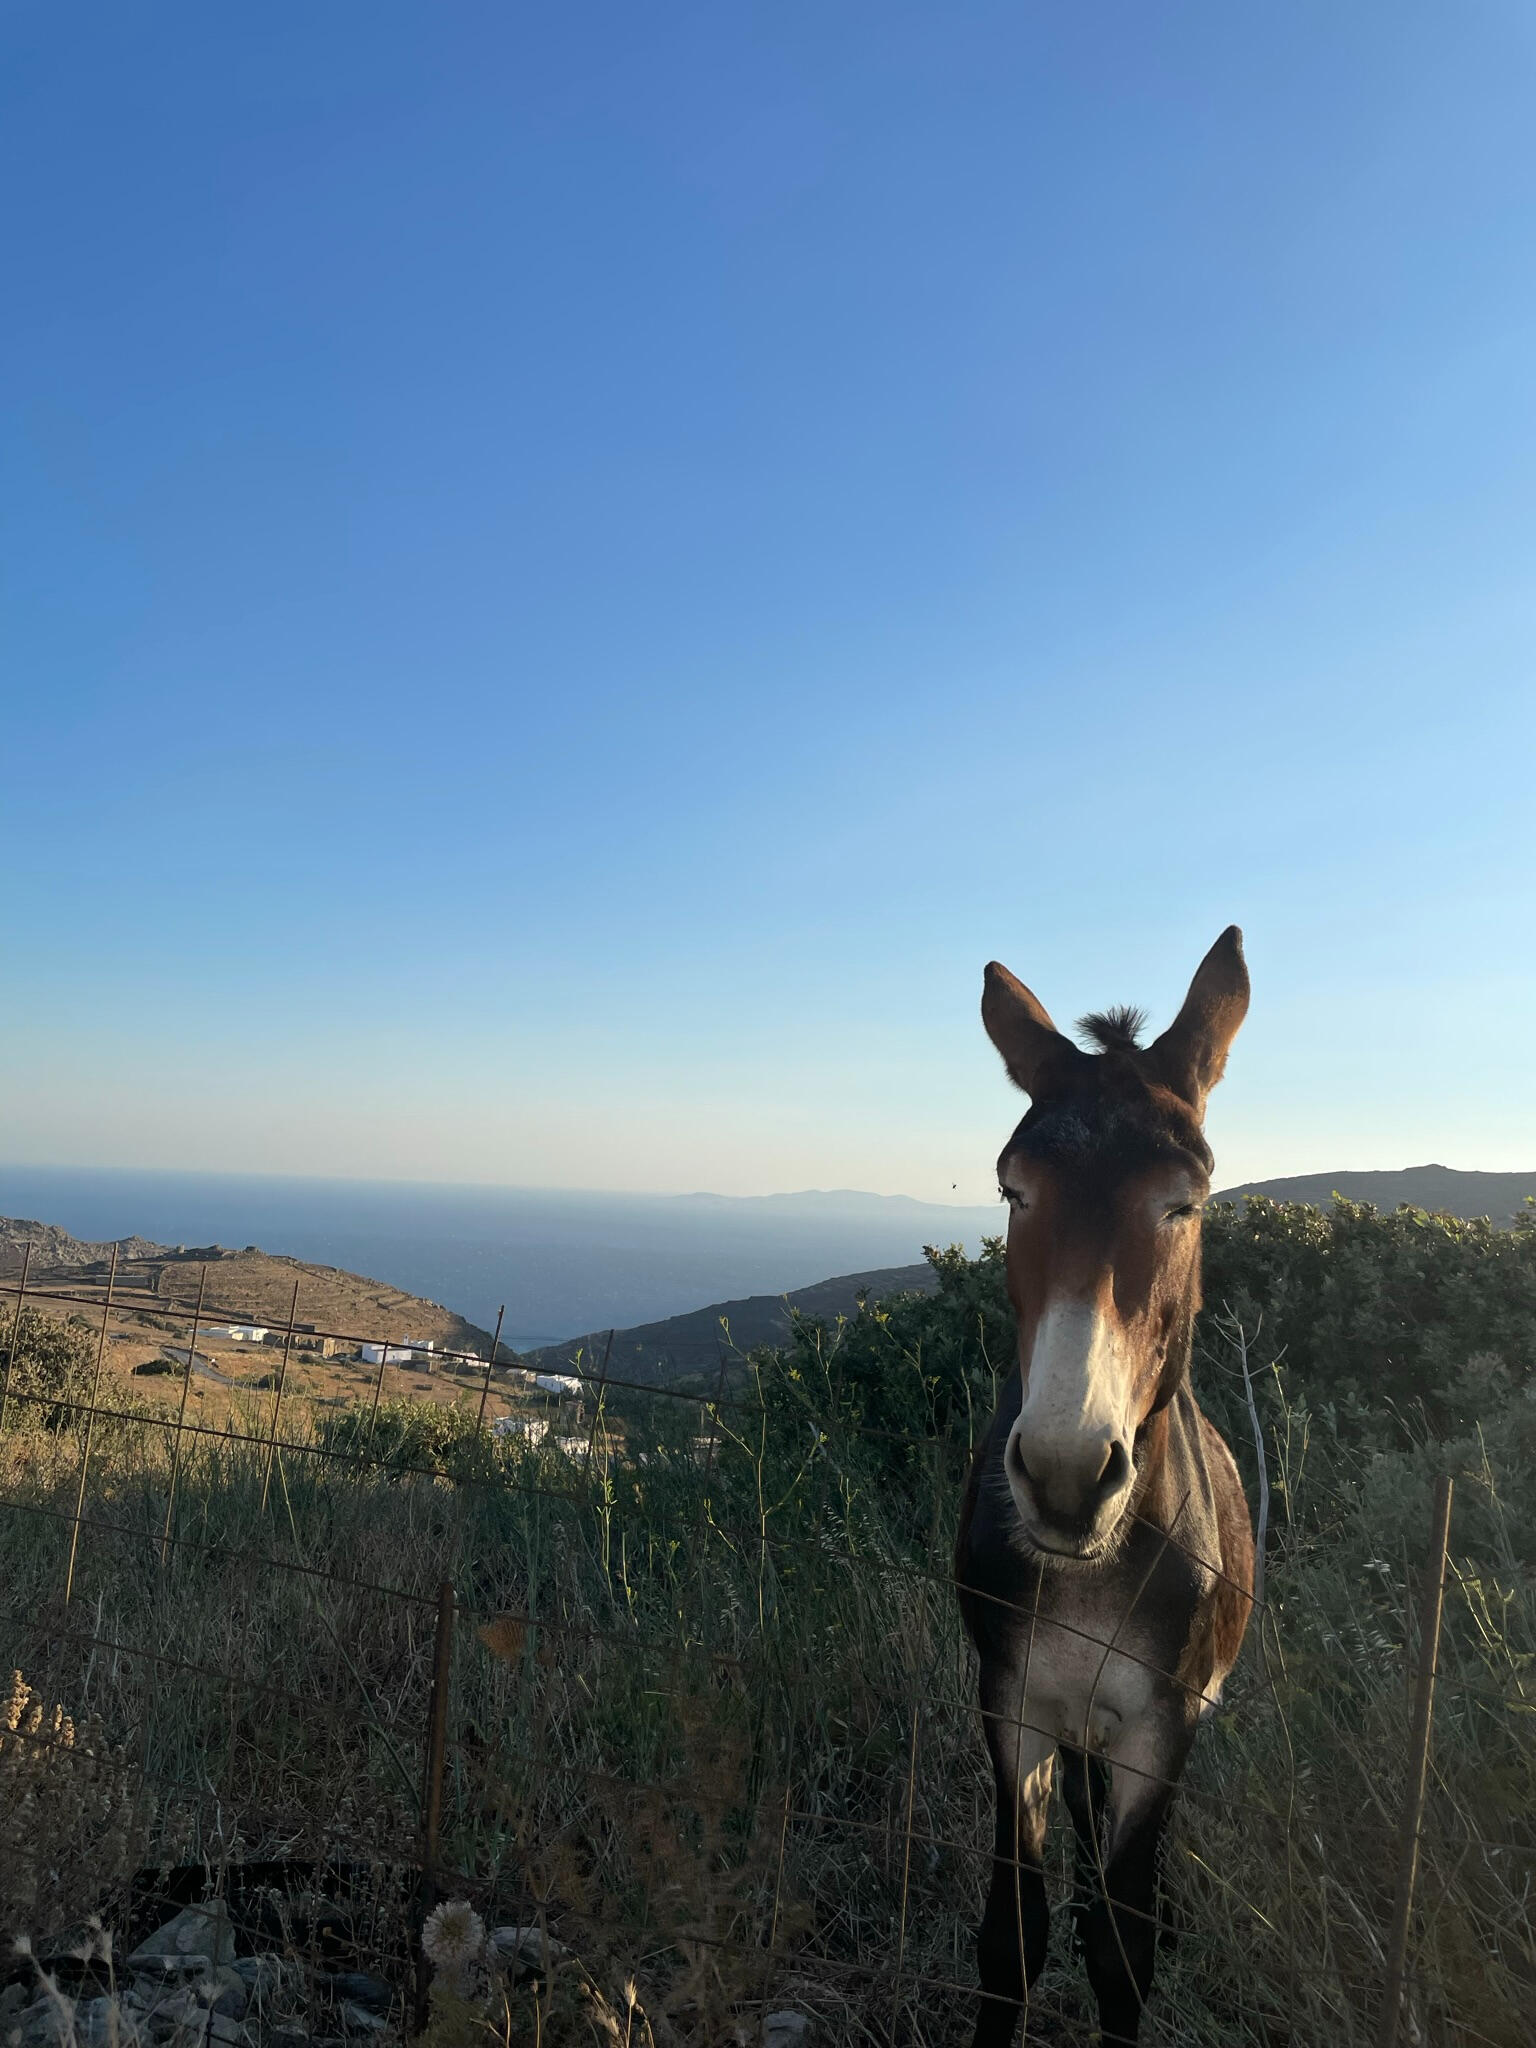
[(1020, 1027)]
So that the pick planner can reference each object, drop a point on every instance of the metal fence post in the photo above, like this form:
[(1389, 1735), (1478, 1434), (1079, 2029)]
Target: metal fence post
[(1418, 1767), (490, 1367)]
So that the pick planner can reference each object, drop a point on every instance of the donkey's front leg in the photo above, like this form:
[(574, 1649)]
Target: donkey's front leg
[(1121, 1925), (1010, 1943)]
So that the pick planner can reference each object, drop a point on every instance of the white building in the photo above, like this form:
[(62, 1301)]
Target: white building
[(533, 1427), (238, 1333), (407, 1353)]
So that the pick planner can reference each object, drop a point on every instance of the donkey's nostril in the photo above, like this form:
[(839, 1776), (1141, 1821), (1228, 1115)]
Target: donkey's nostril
[(1117, 1464), (1016, 1459)]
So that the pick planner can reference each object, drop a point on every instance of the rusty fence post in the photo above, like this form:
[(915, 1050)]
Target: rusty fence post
[(432, 1781), (1418, 1767), (490, 1367)]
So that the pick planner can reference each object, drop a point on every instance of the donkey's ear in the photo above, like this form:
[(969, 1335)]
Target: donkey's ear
[(1192, 1052), (1018, 1025)]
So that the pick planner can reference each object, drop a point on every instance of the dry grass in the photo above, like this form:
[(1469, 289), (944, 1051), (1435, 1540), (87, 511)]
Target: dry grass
[(713, 1722)]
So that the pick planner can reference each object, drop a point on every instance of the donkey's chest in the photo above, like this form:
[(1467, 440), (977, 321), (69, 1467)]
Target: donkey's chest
[(1094, 1666)]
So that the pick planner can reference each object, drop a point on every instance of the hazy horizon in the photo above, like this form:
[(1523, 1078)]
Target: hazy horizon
[(562, 1261)]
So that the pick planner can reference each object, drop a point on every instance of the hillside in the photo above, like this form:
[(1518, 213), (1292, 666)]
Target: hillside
[(692, 1344), (683, 1346), (242, 1286), (1445, 1189)]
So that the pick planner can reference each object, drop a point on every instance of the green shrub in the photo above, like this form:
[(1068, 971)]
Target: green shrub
[(47, 1367)]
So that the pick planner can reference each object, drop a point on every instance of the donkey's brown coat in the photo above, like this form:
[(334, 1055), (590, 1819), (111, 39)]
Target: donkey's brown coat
[(1105, 1556)]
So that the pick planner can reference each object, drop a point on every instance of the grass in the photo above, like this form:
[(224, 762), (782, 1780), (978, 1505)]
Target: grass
[(712, 1717)]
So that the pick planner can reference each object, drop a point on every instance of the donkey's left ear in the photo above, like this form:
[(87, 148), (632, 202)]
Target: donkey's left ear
[(1192, 1052)]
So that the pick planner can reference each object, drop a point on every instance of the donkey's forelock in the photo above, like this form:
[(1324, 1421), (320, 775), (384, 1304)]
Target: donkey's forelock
[(1114, 1030)]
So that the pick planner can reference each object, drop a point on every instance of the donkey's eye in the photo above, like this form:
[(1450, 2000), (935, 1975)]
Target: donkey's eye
[(1181, 1209), (1013, 1198)]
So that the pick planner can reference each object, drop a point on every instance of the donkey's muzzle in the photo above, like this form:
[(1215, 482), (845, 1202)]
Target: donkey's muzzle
[(1069, 1490)]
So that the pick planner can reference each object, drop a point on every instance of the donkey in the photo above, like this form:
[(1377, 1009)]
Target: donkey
[(1105, 1555)]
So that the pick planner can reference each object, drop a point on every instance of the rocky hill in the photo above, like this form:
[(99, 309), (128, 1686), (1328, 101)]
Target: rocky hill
[(1446, 1189), (248, 1285), (694, 1345)]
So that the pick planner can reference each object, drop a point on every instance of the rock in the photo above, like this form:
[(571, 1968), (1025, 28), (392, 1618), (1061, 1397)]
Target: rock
[(360, 1987), (262, 1976), (288, 2035), (227, 2032), (198, 1939), (166, 2003), (14, 2000), (528, 1946), (47, 2023), (786, 2029), (357, 2019), (104, 2023), (226, 1992)]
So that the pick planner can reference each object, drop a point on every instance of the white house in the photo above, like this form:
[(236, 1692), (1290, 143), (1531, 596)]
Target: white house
[(238, 1333), (533, 1427), (397, 1354)]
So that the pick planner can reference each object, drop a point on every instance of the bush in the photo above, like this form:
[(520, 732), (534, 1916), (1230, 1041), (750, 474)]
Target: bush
[(47, 1365), (1393, 1327), (1378, 1317)]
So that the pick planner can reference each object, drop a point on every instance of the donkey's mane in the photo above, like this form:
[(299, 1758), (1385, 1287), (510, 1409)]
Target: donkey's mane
[(1117, 1029)]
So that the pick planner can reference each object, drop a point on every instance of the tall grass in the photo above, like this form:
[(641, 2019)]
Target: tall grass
[(712, 1714)]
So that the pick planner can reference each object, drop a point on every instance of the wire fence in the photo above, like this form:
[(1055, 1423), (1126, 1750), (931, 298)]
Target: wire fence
[(667, 1682)]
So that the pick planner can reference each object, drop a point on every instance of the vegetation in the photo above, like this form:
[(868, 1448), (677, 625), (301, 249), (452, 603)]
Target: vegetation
[(712, 1720), (45, 1368)]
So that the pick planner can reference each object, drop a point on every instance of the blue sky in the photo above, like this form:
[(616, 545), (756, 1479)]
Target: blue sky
[(570, 574)]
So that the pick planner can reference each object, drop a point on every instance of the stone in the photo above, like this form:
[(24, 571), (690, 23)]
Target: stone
[(226, 1992), (263, 1976), (166, 2003), (786, 2029), (201, 1938), (14, 2000), (288, 2035), (104, 2023), (360, 1987), (47, 2023), (526, 1945), (227, 2032), (357, 2019)]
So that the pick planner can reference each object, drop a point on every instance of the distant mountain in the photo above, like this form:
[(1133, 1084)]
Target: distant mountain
[(688, 1346), (561, 1259), (1499, 1196), (691, 1346)]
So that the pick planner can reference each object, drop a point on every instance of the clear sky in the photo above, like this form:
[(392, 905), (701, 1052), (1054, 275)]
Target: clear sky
[(571, 573)]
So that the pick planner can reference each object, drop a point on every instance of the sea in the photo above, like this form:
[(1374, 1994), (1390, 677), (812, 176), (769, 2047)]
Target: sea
[(561, 1262)]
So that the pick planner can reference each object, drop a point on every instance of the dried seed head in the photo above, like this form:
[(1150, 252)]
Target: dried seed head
[(453, 1935)]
